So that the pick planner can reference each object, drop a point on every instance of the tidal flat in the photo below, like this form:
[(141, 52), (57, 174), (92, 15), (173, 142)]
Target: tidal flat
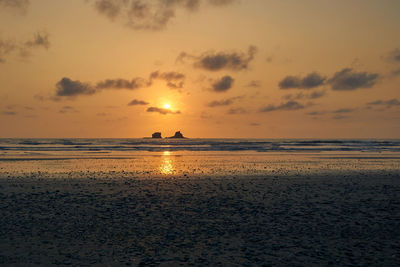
[(201, 212)]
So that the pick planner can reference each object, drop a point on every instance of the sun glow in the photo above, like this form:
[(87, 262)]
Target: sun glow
[(167, 106)]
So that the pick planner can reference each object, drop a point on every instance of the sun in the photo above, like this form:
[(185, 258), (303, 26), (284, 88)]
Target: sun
[(167, 106)]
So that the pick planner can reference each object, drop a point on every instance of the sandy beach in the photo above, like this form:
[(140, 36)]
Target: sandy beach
[(328, 218)]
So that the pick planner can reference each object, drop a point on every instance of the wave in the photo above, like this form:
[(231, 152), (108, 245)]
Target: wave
[(155, 145)]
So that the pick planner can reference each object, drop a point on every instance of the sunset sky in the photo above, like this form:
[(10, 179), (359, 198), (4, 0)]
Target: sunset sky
[(210, 68)]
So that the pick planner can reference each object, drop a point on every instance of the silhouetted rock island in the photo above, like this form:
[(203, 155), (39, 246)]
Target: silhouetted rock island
[(178, 134), (156, 135)]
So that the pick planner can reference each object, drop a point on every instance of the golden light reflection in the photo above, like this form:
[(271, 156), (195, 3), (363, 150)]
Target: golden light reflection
[(167, 166)]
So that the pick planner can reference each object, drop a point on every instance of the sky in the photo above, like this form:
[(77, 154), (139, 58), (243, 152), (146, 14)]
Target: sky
[(209, 68)]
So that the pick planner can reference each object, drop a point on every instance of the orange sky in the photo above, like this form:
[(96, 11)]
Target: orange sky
[(254, 68)]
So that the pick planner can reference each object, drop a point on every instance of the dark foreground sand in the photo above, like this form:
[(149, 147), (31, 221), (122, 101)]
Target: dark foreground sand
[(346, 218)]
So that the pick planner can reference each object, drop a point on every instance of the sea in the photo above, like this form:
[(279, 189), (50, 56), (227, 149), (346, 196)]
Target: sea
[(196, 156), (160, 145)]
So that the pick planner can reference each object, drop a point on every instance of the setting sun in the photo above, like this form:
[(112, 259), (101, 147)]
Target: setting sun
[(167, 106)]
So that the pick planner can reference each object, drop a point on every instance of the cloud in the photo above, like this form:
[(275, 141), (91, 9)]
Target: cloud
[(7, 47), (174, 80), (394, 56), (254, 84), (21, 5), (338, 112), (223, 102), (220, 2), (234, 111), (290, 105), (339, 117), (136, 102), (109, 8), (387, 103), (396, 72), (68, 87), (218, 103), (152, 15), (223, 84), (343, 110), (39, 40), (345, 80), (162, 111), (310, 81), (316, 94), (316, 113), (68, 109), (313, 95), (205, 116), (348, 80), (133, 84), (9, 113), (212, 61)]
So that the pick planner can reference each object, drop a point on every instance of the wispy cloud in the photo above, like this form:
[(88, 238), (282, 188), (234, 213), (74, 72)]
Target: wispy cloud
[(119, 83), (394, 56), (216, 61), (254, 84), (162, 111), (343, 110), (20, 5), (223, 102), (68, 109), (9, 113), (317, 113), (235, 111), (151, 15), (40, 39), (136, 102), (301, 95), (340, 117), (386, 103), (338, 113), (218, 103), (290, 105), (174, 80), (23, 49)]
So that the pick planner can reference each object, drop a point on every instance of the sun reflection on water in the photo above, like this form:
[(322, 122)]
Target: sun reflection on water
[(167, 166)]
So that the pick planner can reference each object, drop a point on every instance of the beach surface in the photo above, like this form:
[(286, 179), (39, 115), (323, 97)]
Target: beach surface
[(178, 210)]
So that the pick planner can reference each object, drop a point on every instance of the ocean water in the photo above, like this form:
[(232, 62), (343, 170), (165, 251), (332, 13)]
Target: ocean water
[(226, 157), (160, 145)]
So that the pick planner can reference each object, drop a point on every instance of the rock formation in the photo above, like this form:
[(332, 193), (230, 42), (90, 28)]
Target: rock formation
[(178, 134), (156, 135)]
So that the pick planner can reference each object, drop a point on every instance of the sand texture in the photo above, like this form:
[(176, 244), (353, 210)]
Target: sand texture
[(346, 218)]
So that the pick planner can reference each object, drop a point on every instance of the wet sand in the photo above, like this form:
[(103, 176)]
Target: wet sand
[(328, 217)]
